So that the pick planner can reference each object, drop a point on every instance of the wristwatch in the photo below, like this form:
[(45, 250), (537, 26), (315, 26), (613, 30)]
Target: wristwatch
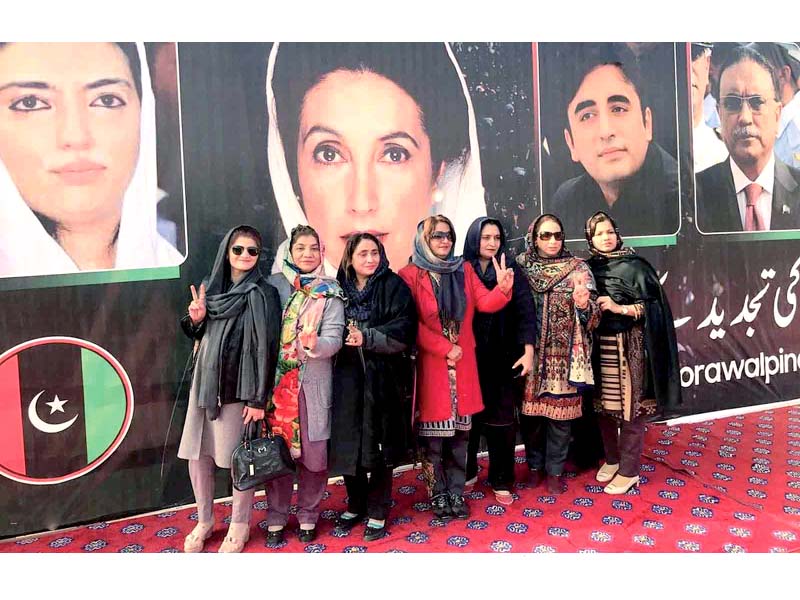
[(624, 310)]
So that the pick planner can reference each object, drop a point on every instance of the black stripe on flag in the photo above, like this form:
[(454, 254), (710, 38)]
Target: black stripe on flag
[(55, 370)]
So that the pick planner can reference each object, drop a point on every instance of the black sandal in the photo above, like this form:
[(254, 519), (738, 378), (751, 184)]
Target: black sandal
[(372, 533)]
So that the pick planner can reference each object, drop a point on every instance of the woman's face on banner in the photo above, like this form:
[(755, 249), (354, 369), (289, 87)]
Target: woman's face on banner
[(364, 162), (69, 128)]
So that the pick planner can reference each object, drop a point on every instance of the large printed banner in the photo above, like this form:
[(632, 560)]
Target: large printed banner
[(123, 164)]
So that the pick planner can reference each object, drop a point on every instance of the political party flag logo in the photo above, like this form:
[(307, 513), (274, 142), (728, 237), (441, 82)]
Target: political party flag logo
[(65, 406)]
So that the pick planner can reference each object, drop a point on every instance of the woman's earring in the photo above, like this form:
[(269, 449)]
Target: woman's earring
[(438, 196)]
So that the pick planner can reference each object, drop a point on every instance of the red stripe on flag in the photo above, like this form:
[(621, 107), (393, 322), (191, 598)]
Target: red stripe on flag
[(12, 443)]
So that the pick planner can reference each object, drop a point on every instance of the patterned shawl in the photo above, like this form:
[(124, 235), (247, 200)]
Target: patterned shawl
[(563, 358), (311, 290)]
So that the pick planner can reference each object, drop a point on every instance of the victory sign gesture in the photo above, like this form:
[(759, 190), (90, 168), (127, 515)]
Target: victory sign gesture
[(308, 331), (197, 308), (505, 277)]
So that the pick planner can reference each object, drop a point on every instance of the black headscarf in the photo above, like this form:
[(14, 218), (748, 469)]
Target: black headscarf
[(628, 278), (359, 302), (226, 303), (472, 248)]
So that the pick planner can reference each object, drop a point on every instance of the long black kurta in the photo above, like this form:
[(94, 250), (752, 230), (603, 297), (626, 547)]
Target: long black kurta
[(500, 340), (372, 402)]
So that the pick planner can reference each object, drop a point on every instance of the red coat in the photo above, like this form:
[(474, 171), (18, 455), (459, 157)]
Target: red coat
[(433, 389)]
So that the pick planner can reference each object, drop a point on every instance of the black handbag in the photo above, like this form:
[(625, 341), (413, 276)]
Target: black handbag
[(259, 459)]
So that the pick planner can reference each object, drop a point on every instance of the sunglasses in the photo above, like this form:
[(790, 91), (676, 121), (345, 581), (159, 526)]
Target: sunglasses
[(546, 235), (442, 235), (251, 250), (733, 103)]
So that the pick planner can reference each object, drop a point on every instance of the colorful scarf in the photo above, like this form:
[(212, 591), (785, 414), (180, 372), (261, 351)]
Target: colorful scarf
[(311, 290), (563, 358)]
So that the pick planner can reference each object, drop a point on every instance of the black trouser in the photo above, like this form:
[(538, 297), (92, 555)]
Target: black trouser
[(586, 448), (623, 441), (372, 497), (500, 441), (448, 458), (546, 443)]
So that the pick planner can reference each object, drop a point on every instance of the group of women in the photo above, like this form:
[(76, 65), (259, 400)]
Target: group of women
[(326, 363), (363, 146)]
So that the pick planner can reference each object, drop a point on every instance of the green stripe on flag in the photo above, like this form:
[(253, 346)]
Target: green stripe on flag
[(103, 401)]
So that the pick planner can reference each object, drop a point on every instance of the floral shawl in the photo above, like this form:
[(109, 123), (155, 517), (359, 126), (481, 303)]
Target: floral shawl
[(310, 293)]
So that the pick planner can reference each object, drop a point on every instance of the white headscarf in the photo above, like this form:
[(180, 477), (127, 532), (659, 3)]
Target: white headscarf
[(27, 249), (460, 185)]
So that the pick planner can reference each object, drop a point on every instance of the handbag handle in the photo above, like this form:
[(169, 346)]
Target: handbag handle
[(251, 431)]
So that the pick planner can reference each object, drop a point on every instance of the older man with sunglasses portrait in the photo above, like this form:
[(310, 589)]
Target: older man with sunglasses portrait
[(751, 190)]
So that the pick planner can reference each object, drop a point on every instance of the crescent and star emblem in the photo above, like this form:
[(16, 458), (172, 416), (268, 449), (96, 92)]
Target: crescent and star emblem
[(55, 405)]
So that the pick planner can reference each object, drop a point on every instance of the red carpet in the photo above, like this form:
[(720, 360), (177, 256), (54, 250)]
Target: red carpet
[(730, 485)]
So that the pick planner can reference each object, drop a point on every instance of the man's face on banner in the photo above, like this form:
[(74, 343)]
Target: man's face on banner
[(701, 67), (748, 133), (607, 132), (69, 128), (364, 163)]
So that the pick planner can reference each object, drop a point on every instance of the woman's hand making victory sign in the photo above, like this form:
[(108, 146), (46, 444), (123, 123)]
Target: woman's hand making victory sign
[(505, 277), (197, 308)]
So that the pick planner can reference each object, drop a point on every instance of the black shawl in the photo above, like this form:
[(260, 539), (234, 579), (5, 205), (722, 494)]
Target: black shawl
[(371, 424), (226, 303), (629, 279)]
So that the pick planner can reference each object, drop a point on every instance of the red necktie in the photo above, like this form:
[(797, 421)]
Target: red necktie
[(752, 220)]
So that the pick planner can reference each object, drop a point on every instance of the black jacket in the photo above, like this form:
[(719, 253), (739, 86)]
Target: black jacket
[(648, 203), (372, 400), (233, 347), (500, 340)]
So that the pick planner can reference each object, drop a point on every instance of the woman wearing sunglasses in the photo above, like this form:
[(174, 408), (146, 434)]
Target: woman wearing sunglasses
[(371, 383), (562, 287), (447, 292), (235, 318), (640, 376), (300, 407)]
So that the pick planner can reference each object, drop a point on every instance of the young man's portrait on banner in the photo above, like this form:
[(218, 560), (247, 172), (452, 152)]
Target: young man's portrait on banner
[(602, 135), (79, 187)]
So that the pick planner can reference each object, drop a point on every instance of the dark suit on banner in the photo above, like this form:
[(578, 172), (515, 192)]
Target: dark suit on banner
[(718, 208), (647, 205)]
